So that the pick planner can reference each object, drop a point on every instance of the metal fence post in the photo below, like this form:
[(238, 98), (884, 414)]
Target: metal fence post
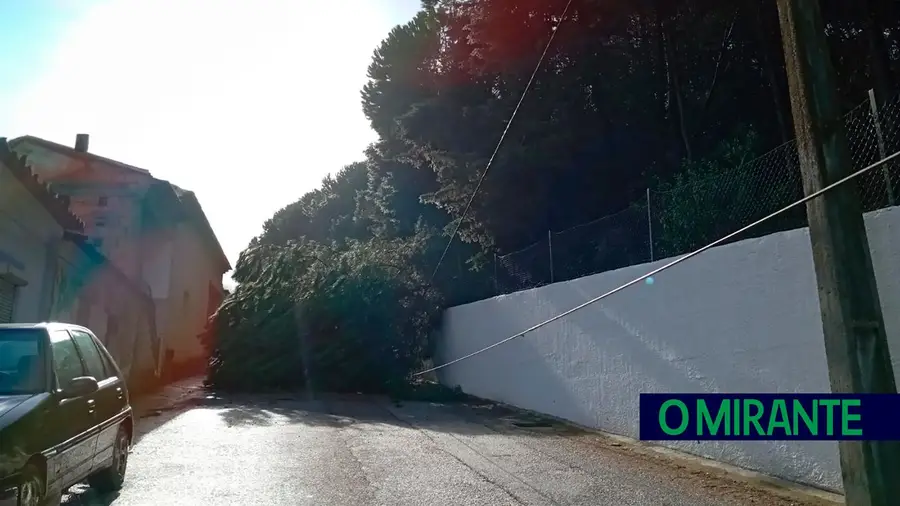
[(649, 224), (882, 151), (496, 283), (550, 249)]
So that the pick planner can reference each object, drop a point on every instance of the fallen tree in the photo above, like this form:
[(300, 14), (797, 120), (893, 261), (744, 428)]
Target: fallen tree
[(357, 319)]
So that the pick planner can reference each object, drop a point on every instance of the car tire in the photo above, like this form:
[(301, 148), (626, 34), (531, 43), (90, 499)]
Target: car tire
[(32, 491), (112, 478)]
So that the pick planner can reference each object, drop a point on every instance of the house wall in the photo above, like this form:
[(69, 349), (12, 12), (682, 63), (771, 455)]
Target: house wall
[(194, 268), (738, 318), (105, 197), (29, 237), (95, 297), (114, 227), (158, 258), (86, 181)]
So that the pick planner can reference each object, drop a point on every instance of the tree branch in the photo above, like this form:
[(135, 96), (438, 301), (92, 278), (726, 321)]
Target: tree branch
[(725, 40)]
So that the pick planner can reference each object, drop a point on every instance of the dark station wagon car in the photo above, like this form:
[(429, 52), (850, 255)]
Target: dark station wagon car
[(64, 414)]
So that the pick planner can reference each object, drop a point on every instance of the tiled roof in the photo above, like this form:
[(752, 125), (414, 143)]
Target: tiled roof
[(188, 204), (69, 151), (56, 205), (187, 198), (192, 206)]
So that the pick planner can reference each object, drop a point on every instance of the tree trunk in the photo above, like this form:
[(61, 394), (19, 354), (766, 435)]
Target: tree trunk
[(671, 53), (765, 36), (720, 58), (662, 68)]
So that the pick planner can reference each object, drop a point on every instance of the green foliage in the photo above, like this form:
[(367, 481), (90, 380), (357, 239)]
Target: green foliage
[(723, 192), (356, 319), (708, 197)]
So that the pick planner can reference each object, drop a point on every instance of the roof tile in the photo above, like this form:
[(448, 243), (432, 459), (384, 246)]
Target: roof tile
[(56, 205)]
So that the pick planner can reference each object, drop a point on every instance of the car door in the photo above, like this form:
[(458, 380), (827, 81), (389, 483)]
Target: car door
[(109, 399), (73, 424)]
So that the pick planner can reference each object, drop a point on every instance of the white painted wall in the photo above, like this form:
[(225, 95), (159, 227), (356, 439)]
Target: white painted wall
[(28, 234), (157, 271), (97, 320), (185, 311), (738, 318)]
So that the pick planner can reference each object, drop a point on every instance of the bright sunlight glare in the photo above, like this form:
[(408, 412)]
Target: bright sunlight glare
[(247, 103)]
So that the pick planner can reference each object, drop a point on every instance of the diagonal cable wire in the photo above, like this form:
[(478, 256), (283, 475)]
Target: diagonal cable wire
[(668, 265), (502, 137)]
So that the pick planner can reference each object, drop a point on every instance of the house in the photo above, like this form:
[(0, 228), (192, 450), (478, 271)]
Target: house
[(152, 231), (32, 222), (50, 272)]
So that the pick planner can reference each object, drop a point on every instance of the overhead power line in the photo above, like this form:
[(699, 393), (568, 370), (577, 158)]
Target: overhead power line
[(537, 67), (668, 265)]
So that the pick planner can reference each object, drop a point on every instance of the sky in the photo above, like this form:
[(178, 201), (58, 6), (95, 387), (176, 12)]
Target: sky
[(248, 103)]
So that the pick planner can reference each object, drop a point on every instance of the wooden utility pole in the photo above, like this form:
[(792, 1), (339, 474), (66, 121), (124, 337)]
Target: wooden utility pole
[(855, 341)]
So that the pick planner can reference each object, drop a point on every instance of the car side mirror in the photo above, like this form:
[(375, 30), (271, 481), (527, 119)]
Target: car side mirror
[(82, 385)]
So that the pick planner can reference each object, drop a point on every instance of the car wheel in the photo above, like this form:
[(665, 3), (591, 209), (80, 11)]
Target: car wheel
[(32, 491), (112, 478)]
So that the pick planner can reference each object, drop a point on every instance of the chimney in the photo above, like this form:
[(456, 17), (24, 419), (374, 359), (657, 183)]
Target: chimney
[(81, 142)]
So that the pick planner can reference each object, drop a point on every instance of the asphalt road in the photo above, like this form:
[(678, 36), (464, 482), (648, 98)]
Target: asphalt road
[(360, 451)]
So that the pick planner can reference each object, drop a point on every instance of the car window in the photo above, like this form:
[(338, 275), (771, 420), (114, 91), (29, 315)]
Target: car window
[(66, 361), (111, 368), (90, 354), (22, 369)]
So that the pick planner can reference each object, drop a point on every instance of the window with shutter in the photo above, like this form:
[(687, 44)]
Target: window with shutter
[(7, 299)]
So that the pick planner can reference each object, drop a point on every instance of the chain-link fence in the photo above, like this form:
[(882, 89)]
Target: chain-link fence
[(526, 268), (707, 201), (872, 136), (690, 215), (604, 244)]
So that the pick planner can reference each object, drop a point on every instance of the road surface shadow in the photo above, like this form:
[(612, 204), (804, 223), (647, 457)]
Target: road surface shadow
[(83, 495), (336, 411)]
